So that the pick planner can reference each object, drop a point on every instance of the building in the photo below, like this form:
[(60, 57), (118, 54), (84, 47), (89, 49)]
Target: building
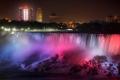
[(53, 18), (71, 24), (113, 19), (39, 15), (25, 13)]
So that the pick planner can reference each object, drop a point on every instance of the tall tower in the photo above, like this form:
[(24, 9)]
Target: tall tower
[(39, 15), (25, 13)]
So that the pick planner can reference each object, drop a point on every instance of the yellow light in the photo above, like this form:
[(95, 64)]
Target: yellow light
[(7, 29), (22, 29), (14, 29), (28, 28), (2, 27), (12, 32)]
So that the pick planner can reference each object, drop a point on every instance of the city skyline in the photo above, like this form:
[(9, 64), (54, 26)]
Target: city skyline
[(67, 10)]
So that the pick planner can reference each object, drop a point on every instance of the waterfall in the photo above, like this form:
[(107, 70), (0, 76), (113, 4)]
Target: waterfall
[(20, 47)]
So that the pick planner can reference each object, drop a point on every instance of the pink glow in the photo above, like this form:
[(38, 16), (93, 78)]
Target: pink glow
[(25, 14), (111, 44)]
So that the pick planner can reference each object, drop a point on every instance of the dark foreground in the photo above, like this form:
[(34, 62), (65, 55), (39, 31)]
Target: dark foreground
[(54, 69), (22, 75)]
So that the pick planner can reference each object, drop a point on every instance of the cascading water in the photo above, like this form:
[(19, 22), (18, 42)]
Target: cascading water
[(31, 47)]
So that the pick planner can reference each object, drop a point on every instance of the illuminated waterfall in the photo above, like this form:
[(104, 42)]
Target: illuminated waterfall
[(21, 46)]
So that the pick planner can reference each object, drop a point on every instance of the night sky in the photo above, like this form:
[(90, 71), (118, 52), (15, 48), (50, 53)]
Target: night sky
[(82, 10)]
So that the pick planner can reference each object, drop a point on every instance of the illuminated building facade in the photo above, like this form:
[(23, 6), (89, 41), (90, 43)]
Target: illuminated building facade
[(71, 24), (25, 13), (39, 15)]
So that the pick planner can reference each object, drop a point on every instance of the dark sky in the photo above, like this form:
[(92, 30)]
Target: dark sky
[(82, 10)]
